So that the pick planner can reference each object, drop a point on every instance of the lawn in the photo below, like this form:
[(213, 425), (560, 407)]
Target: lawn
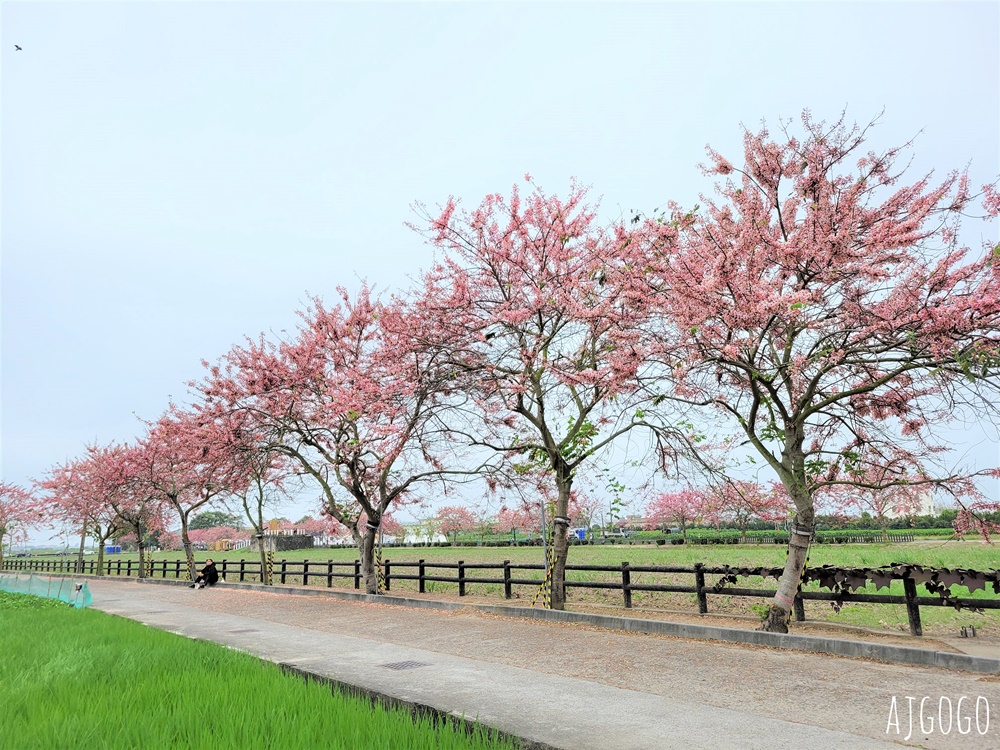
[(945, 554), (936, 553), (83, 679)]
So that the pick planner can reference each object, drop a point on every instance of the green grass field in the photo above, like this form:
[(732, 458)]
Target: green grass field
[(936, 553), (943, 553), (83, 679)]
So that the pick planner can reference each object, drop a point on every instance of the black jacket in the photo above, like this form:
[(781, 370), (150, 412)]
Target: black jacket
[(211, 574)]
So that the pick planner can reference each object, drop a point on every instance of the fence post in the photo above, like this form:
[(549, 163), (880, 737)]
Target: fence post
[(128, 571), (627, 585), (177, 568), (305, 572), (284, 569), (461, 577), (800, 610), (329, 574), (357, 574), (506, 580), (699, 585), (388, 573), (243, 569), (421, 572), (912, 608)]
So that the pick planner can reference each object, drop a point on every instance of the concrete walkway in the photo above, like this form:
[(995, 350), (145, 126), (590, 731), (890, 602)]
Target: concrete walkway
[(569, 686)]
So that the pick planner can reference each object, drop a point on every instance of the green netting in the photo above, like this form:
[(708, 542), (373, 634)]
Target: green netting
[(63, 589)]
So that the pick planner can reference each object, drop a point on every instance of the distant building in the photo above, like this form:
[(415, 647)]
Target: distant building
[(927, 508)]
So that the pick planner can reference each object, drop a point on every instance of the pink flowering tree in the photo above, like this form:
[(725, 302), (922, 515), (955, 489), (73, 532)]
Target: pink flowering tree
[(215, 534), (265, 472), (185, 462), (315, 526), (683, 507), (75, 495), (583, 508), (528, 297), (120, 472), (973, 518), (356, 402), (454, 520), (823, 307), (17, 514), (511, 519), (740, 502), (485, 521)]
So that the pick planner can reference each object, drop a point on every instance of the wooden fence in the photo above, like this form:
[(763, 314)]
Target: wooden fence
[(464, 574)]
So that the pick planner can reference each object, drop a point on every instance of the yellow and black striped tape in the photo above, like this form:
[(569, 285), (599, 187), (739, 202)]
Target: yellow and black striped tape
[(380, 574)]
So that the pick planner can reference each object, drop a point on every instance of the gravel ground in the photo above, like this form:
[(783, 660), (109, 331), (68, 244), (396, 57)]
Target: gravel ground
[(852, 695)]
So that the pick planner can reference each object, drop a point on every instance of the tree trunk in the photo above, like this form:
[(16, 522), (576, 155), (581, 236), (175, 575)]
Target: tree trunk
[(83, 541), (188, 550), (142, 558), (100, 555), (560, 544), (799, 538), (265, 577), (368, 568)]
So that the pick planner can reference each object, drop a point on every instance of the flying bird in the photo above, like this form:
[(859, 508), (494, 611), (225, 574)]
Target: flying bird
[(17, 48)]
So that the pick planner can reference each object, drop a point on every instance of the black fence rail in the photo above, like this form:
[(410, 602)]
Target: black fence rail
[(463, 574)]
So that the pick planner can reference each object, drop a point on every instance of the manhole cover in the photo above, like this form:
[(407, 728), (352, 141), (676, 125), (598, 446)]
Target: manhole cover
[(405, 665)]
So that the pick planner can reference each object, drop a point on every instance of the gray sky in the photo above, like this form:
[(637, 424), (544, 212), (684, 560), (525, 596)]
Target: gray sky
[(177, 175)]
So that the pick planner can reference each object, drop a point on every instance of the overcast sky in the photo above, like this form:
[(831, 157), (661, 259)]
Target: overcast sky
[(178, 175)]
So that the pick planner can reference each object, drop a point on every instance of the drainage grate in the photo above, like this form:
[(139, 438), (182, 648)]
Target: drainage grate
[(405, 665), (245, 630)]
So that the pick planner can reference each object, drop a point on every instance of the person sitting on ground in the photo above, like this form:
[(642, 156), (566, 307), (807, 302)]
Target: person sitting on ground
[(209, 576)]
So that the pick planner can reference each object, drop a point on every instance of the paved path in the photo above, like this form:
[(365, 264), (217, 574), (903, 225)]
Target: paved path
[(572, 686)]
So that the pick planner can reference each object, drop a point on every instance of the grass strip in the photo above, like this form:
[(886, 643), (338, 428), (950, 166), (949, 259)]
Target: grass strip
[(83, 679), (940, 554)]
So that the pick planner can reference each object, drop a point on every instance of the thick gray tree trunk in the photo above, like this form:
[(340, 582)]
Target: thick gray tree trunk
[(799, 539), (560, 543), (188, 549), (265, 575), (83, 541), (369, 570)]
